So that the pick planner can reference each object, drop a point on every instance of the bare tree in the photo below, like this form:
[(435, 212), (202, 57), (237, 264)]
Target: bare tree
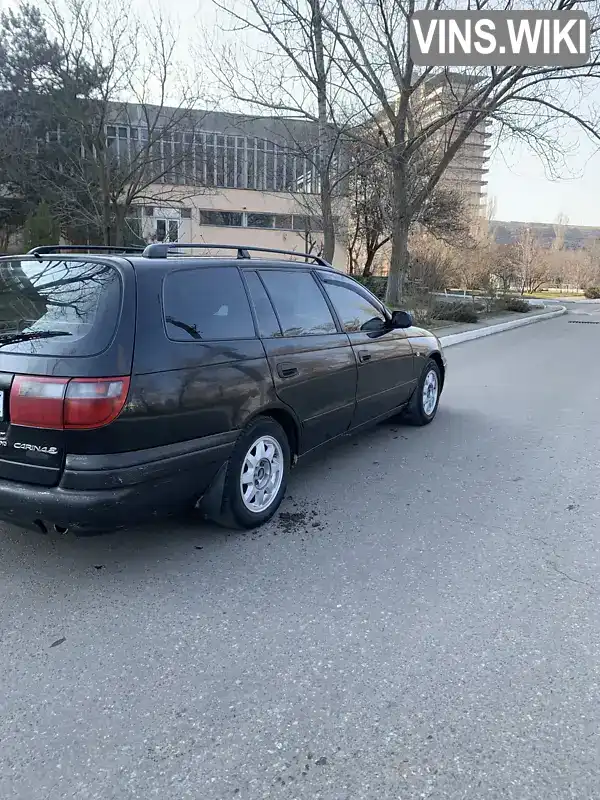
[(289, 76), (593, 254), (580, 268), (369, 209), (531, 263), (369, 68), (444, 216), (433, 264), (123, 145), (560, 226), (504, 260)]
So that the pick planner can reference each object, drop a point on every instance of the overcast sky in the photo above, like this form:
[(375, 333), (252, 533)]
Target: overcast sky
[(517, 180)]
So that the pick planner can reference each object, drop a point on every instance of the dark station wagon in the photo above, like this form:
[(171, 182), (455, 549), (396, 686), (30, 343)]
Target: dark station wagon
[(142, 382)]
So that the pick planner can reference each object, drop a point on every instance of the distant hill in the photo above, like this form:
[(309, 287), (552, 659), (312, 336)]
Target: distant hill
[(576, 236)]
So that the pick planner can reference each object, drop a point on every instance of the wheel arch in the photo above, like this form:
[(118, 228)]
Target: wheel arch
[(436, 356), (288, 421)]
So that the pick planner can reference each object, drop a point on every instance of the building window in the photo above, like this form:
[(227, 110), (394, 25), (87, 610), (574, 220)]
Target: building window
[(241, 165), (290, 172), (301, 223), (280, 159), (261, 220), (283, 222), (270, 167), (200, 158), (252, 164), (167, 230), (222, 219), (261, 182), (220, 166), (210, 160), (230, 154)]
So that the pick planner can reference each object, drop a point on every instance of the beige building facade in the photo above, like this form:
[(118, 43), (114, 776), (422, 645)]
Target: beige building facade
[(230, 179), (226, 179), (274, 220)]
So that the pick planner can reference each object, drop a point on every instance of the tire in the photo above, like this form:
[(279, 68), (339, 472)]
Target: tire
[(275, 451), (418, 412)]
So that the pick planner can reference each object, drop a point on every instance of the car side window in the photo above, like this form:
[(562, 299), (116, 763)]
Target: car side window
[(299, 302), (268, 325), (355, 311), (207, 304)]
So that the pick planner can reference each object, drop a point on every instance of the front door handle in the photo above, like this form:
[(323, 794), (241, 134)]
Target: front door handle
[(364, 355), (286, 370)]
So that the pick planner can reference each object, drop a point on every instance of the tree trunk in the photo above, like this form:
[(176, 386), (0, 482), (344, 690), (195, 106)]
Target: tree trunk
[(368, 268), (327, 212), (119, 214), (401, 225), (325, 148), (106, 219), (106, 226)]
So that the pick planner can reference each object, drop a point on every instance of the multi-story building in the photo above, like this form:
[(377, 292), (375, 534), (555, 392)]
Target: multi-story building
[(227, 179), (234, 179), (439, 96)]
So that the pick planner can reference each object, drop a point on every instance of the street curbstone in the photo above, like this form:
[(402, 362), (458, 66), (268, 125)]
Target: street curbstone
[(479, 333)]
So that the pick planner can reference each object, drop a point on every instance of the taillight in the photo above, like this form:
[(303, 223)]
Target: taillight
[(94, 402), (38, 402), (66, 403)]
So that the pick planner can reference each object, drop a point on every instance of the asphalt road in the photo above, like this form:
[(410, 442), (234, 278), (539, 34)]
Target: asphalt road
[(423, 621)]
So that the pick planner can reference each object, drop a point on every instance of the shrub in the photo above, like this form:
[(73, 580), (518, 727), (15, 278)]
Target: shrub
[(592, 293), (455, 312), (516, 304)]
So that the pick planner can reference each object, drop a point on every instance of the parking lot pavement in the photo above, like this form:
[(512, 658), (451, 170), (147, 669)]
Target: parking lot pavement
[(422, 620)]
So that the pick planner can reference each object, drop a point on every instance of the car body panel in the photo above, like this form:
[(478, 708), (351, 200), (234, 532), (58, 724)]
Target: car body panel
[(387, 379), (322, 392), (36, 455), (424, 345)]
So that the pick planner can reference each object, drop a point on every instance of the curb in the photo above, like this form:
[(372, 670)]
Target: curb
[(584, 300), (479, 333)]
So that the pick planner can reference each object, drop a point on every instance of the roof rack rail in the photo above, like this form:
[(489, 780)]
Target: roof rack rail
[(160, 250), (81, 248)]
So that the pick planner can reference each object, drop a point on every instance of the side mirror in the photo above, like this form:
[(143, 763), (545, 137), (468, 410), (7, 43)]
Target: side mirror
[(401, 319)]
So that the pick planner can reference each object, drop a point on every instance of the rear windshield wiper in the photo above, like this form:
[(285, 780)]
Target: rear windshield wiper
[(191, 329), (14, 338)]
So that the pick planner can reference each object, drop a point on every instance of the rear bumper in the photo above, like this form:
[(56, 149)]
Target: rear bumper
[(107, 492)]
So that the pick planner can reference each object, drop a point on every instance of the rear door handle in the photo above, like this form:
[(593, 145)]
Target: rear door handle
[(364, 355), (286, 370)]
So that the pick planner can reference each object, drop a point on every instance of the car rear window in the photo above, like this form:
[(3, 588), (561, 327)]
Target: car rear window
[(53, 307)]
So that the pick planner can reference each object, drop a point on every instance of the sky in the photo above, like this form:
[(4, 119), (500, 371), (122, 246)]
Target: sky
[(517, 181), (523, 192)]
